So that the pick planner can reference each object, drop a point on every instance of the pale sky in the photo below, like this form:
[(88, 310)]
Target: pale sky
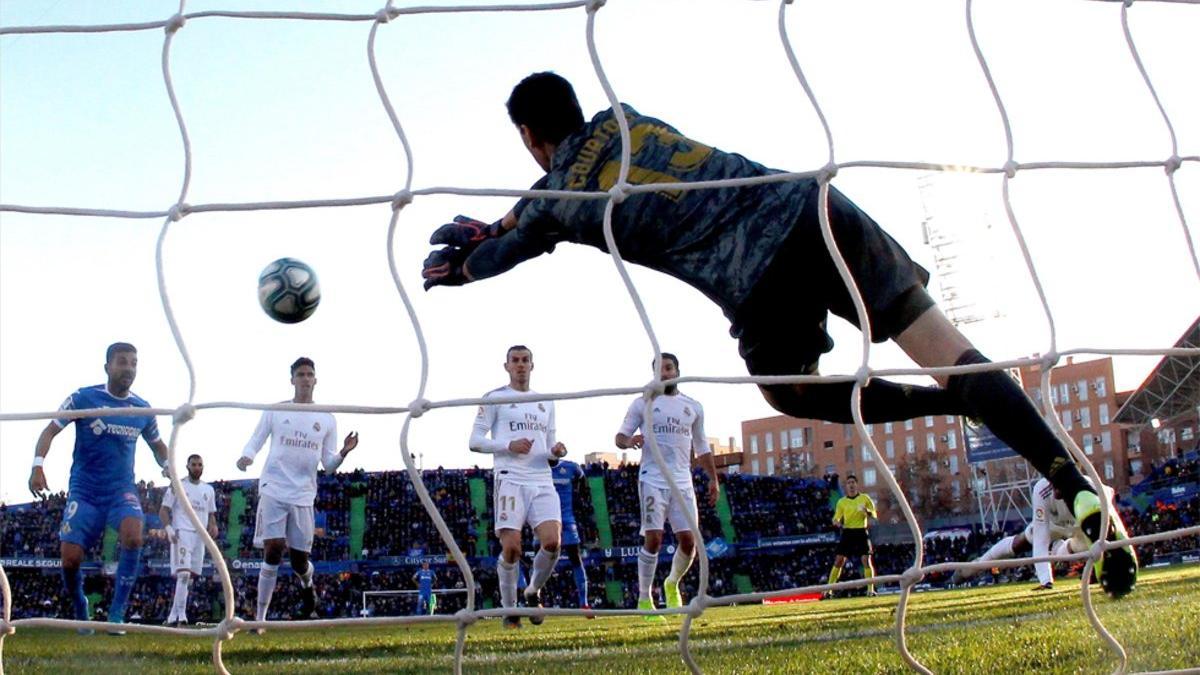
[(286, 110)]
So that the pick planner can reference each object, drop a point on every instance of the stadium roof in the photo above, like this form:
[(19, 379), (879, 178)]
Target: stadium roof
[(1172, 388)]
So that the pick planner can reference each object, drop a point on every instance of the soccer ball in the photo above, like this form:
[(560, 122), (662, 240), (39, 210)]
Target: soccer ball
[(288, 290)]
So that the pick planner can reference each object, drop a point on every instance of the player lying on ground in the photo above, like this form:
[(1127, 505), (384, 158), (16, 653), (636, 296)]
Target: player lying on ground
[(187, 547), (522, 441), (1053, 531), (757, 252), (102, 491), (677, 422), (287, 487)]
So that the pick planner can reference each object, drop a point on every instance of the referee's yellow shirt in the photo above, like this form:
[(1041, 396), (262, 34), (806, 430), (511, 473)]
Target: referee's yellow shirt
[(852, 512)]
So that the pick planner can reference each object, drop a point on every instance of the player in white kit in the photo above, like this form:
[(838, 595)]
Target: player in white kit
[(1053, 529), (678, 425), (187, 547), (524, 447), (287, 488)]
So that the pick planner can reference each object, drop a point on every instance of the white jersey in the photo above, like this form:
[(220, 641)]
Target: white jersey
[(678, 426), (299, 441), (1051, 511), (202, 498), (506, 422)]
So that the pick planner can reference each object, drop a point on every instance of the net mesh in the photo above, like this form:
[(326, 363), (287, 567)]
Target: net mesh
[(622, 189)]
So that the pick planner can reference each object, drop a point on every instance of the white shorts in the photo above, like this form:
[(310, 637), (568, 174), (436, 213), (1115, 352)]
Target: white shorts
[(187, 553), (276, 520), (658, 506), (517, 504)]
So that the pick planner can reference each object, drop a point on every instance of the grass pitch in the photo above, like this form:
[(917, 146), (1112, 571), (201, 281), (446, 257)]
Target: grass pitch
[(996, 629)]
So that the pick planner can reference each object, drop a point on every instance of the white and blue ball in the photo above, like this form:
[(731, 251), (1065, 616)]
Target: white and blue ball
[(288, 290)]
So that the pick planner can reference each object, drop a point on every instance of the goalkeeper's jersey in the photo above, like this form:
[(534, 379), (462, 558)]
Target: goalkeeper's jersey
[(719, 240)]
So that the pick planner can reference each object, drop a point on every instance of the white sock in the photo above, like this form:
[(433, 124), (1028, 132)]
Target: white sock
[(507, 573), (1066, 547), (266, 587), (647, 563), (680, 564), (1000, 550), (179, 605), (543, 566), (306, 577)]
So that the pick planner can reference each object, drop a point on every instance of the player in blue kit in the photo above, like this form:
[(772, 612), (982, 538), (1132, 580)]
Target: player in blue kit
[(756, 251), (424, 579), (565, 473), (102, 491)]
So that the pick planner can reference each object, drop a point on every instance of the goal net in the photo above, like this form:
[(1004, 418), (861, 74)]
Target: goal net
[(1169, 158)]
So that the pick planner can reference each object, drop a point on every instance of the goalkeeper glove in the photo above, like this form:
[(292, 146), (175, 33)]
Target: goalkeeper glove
[(465, 233), (444, 267)]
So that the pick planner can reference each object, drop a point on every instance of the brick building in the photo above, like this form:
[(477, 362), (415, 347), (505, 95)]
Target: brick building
[(928, 454)]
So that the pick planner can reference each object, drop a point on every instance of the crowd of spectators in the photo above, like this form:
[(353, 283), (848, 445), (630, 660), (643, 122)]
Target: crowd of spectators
[(756, 500), (397, 526)]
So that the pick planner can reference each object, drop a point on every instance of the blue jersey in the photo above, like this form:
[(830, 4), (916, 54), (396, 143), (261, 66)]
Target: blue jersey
[(564, 475), (425, 581), (104, 446)]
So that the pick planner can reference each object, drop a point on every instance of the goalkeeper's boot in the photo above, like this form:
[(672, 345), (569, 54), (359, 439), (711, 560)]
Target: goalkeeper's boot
[(1117, 569), (535, 600), (652, 618), (308, 604), (671, 593)]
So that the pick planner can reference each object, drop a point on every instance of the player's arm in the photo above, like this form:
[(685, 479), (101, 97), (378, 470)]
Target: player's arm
[(704, 455), (502, 246), (212, 513), (869, 508), (482, 442), (626, 438), (254, 445), (557, 449), (37, 476), (330, 457), (164, 512)]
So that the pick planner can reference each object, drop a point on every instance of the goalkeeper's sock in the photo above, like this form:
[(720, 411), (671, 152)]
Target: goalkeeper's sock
[(581, 585), (128, 564), (306, 577), (506, 572), (998, 401), (267, 575), (647, 564), (680, 564), (834, 574), (179, 604), (73, 583), (543, 565)]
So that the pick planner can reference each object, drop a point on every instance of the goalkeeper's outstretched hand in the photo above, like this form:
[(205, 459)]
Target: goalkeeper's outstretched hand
[(444, 267), (465, 233)]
